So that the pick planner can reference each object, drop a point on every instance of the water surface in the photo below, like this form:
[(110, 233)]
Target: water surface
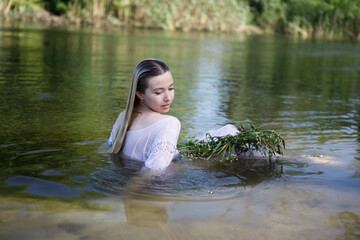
[(62, 89)]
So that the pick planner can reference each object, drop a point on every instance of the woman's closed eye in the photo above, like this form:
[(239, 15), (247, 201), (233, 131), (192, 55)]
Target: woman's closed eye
[(159, 92)]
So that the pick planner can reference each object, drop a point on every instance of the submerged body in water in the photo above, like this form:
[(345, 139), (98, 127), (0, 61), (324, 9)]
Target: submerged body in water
[(155, 145)]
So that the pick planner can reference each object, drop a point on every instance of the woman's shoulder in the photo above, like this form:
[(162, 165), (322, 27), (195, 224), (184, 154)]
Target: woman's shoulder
[(167, 128), (121, 116), (171, 119), (166, 122), (119, 119), (158, 124), (161, 118)]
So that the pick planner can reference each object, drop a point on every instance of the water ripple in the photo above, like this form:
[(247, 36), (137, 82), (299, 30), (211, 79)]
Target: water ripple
[(186, 180)]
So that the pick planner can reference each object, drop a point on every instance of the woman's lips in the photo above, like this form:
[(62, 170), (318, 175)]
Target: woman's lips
[(166, 106)]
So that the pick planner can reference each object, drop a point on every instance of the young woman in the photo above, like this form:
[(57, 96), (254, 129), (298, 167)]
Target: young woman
[(142, 132)]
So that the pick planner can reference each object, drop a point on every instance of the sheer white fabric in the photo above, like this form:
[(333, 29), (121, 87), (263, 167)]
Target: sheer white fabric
[(155, 145), (115, 129), (223, 131)]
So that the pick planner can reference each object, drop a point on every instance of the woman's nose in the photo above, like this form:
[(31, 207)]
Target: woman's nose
[(167, 97)]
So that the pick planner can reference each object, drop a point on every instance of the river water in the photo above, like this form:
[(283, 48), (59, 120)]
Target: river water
[(62, 89)]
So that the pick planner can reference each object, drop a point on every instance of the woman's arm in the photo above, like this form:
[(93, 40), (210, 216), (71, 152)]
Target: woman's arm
[(163, 148), (115, 128)]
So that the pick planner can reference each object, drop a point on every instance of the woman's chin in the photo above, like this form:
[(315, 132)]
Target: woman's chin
[(164, 110)]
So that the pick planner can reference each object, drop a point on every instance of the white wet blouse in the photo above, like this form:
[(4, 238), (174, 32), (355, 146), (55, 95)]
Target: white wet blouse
[(155, 145)]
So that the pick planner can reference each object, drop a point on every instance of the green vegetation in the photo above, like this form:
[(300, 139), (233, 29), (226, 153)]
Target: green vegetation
[(307, 18), (229, 147)]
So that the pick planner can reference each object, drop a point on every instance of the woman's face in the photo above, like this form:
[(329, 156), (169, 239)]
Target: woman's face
[(160, 93)]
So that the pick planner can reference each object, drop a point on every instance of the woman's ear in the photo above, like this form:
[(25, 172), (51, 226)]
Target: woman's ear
[(139, 95)]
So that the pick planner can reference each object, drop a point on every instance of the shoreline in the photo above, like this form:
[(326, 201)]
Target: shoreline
[(45, 19), (48, 20)]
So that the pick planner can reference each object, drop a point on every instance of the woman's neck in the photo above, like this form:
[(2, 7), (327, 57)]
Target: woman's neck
[(143, 117), (143, 109)]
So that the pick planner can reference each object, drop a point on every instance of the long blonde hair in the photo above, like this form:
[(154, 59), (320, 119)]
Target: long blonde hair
[(144, 70)]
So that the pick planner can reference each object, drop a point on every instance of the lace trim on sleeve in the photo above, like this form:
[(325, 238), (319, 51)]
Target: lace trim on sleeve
[(164, 147), (161, 156), (162, 151)]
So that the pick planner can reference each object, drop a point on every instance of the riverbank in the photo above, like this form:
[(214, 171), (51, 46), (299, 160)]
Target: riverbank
[(306, 19), (213, 17), (45, 19)]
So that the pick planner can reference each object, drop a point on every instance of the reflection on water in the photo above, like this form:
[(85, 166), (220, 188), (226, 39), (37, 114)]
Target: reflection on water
[(61, 91), (348, 221), (144, 214)]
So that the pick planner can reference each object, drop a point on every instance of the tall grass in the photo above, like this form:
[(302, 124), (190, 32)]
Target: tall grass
[(307, 18), (185, 15), (210, 15), (324, 18)]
